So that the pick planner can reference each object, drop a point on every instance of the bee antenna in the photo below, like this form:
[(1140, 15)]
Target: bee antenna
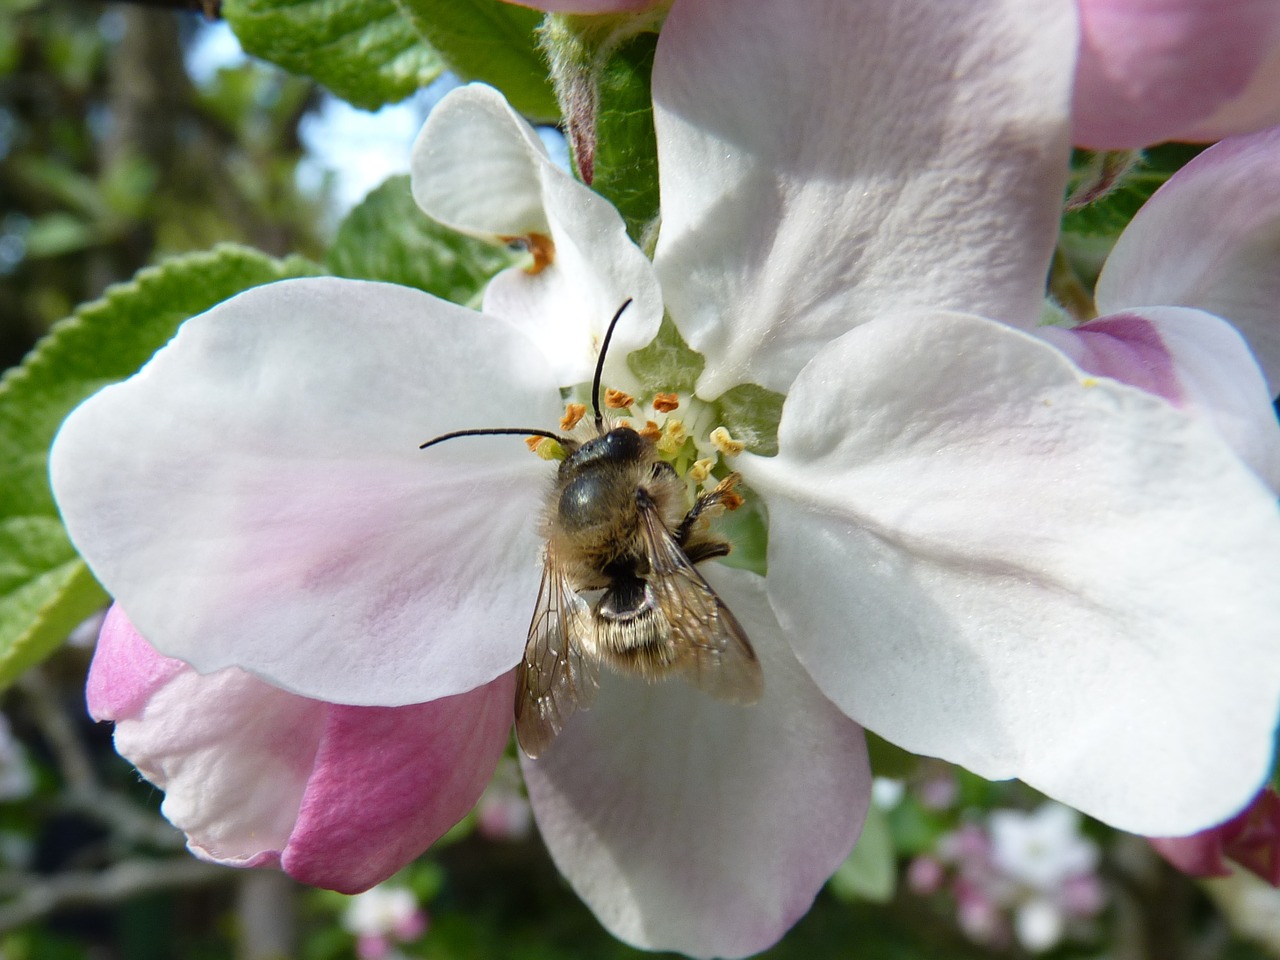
[(604, 349), (493, 432)]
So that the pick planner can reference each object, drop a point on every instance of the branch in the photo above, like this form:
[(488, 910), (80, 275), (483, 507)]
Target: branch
[(42, 896)]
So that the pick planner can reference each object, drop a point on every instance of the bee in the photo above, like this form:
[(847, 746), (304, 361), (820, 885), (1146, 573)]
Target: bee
[(620, 585)]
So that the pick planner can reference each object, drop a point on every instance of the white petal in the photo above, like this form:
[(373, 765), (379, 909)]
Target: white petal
[(823, 165), (1196, 361), (984, 555), (479, 168), (233, 755), (256, 496), (691, 825), (1210, 239)]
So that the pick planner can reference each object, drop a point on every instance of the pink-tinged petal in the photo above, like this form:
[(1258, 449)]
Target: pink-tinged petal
[(1255, 108), (126, 670), (691, 825), (1209, 239), (340, 797), (255, 496), (1154, 70), (390, 781), (1251, 839), (1193, 359), (820, 168), (985, 555), (481, 169), (1199, 855)]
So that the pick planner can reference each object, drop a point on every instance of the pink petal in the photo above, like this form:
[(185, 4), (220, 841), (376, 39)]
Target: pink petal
[(1155, 70), (340, 797), (1194, 360), (1209, 239), (390, 781), (126, 670), (1251, 839), (822, 166), (692, 825)]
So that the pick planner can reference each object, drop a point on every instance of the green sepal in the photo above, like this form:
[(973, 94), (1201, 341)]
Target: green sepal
[(491, 41), (45, 590), (386, 237), (871, 871), (667, 363), (1110, 214), (365, 51), (626, 147), (751, 414)]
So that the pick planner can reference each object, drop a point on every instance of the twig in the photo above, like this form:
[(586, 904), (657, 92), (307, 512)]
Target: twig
[(42, 896)]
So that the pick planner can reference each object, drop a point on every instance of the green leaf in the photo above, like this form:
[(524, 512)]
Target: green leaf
[(491, 41), (1108, 216), (871, 872), (626, 156), (388, 238), (365, 51), (45, 590)]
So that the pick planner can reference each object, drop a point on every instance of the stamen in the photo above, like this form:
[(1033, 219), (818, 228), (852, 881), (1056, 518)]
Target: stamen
[(573, 414), (722, 441), (650, 431), (665, 402), (618, 399), (701, 469), (673, 437), (545, 448), (540, 246)]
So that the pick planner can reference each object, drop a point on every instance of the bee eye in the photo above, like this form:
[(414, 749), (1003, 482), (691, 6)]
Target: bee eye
[(623, 443)]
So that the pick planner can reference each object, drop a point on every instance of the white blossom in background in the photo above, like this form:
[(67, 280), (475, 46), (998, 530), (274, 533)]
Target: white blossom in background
[(382, 917)]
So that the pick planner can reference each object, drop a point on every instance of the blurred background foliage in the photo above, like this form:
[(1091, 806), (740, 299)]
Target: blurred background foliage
[(113, 156)]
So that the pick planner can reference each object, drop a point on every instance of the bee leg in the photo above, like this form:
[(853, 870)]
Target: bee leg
[(695, 543)]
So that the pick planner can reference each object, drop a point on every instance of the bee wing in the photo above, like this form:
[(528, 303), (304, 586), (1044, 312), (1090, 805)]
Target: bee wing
[(712, 649), (553, 679)]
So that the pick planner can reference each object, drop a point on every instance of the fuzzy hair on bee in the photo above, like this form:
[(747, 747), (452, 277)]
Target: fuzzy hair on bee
[(620, 585)]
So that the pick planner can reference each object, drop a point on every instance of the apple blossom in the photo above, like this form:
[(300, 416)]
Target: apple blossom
[(1156, 70), (974, 547)]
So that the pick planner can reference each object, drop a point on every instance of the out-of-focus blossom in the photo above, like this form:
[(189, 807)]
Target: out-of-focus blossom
[(1023, 876), (1156, 70), (1251, 839), (503, 812), (382, 917)]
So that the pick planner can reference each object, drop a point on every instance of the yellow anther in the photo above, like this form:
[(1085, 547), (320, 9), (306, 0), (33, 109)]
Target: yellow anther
[(665, 402), (728, 446), (573, 414), (701, 469), (545, 447), (618, 399), (1088, 382), (673, 437)]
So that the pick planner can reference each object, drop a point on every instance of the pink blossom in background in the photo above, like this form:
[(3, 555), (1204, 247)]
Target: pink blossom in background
[(339, 797), (1156, 70), (1251, 840)]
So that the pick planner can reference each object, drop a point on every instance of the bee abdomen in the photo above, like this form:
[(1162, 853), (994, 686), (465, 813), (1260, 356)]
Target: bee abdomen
[(632, 633)]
